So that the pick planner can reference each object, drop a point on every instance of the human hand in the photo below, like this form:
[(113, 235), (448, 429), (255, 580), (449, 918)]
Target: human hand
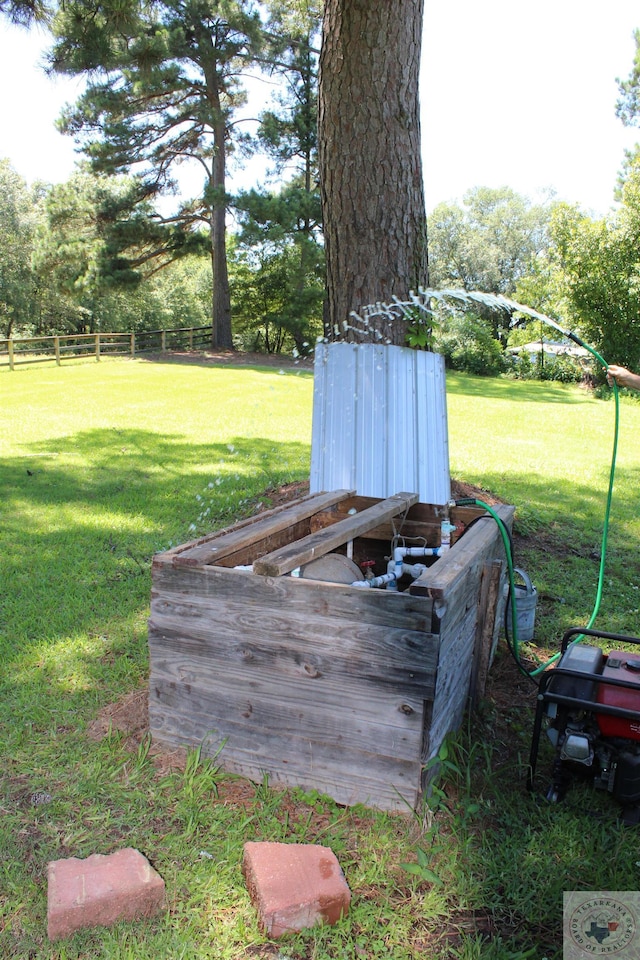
[(623, 377)]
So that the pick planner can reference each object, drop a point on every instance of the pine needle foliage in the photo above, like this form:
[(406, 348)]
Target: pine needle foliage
[(164, 82)]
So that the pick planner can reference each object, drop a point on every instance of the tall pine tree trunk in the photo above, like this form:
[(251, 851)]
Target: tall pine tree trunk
[(221, 335), (370, 164)]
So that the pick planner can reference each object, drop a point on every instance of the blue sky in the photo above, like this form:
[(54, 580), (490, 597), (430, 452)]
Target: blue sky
[(519, 95)]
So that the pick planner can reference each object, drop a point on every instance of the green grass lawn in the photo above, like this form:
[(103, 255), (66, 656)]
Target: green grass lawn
[(547, 448), (103, 465)]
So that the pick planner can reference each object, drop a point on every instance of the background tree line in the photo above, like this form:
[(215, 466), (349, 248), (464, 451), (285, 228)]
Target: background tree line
[(116, 248)]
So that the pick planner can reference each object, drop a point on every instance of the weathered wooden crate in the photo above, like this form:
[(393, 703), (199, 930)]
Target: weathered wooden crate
[(323, 685)]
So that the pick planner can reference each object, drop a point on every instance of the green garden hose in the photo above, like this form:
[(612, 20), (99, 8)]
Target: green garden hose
[(506, 538)]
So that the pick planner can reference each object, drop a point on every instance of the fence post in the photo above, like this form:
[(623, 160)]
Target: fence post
[(85, 339)]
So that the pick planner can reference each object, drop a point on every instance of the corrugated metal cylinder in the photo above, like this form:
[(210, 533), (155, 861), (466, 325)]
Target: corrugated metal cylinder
[(380, 421)]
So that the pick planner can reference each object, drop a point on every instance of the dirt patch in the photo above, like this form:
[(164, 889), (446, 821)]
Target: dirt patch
[(286, 493), (129, 716), (459, 490)]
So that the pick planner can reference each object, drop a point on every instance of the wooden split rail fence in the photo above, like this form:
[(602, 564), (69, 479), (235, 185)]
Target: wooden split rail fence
[(19, 350)]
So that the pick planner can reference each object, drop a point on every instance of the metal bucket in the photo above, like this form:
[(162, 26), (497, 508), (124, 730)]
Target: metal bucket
[(526, 599)]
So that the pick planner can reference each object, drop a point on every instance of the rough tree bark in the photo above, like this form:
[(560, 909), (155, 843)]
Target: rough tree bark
[(370, 163), (221, 330)]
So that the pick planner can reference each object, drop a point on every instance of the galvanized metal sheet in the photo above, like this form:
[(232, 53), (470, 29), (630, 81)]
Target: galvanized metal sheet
[(380, 421)]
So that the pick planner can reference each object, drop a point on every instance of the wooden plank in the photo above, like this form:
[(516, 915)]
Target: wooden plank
[(406, 682), (452, 686), (323, 541), (455, 586), (418, 513), (215, 546), (421, 522), (275, 708), (361, 777), (214, 587), (401, 660), (410, 529), (255, 717), (485, 629), (368, 636), (252, 549)]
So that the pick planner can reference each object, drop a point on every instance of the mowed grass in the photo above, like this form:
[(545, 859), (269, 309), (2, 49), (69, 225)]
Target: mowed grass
[(103, 465)]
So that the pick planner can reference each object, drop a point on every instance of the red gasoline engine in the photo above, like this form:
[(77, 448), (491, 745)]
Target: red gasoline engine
[(590, 705)]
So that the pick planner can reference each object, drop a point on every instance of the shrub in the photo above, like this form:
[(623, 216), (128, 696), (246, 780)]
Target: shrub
[(559, 369), (468, 345)]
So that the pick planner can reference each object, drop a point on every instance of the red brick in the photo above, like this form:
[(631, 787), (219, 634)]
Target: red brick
[(100, 891), (294, 886)]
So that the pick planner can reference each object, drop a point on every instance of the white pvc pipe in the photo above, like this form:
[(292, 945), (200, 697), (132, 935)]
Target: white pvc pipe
[(380, 581), (414, 570), (401, 552)]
